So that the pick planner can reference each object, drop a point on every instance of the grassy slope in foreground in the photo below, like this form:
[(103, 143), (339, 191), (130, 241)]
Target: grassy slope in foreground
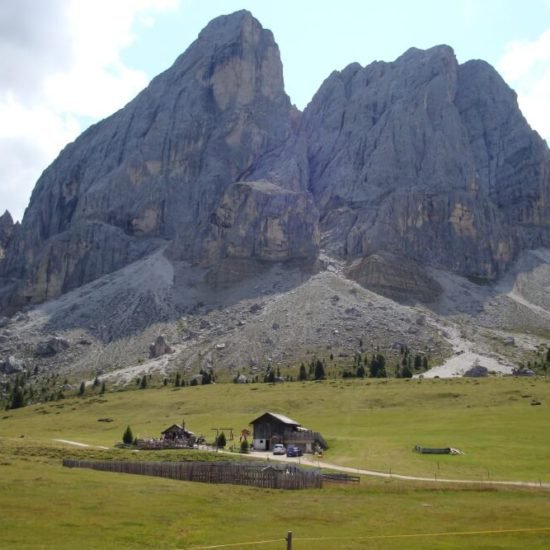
[(368, 425), (47, 506)]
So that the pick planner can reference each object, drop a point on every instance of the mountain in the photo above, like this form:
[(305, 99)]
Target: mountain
[(159, 171), (427, 159), (212, 209)]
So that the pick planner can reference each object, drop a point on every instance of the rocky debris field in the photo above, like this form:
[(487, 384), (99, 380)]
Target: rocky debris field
[(275, 317)]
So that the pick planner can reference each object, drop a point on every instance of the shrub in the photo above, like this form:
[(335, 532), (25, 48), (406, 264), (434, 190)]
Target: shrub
[(221, 441)]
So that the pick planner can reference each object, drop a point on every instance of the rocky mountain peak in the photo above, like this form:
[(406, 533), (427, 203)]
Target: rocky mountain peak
[(420, 160), (153, 173), (244, 60)]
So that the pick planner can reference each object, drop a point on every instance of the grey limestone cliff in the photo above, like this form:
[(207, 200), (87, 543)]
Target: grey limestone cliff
[(427, 159), (154, 172)]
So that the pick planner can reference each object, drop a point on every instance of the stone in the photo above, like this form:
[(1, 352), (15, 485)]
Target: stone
[(395, 277), (159, 347), (51, 347), (12, 365), (477, 371)]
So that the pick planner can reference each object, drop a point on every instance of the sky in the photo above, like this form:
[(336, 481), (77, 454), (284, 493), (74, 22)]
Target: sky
[(65, 64)]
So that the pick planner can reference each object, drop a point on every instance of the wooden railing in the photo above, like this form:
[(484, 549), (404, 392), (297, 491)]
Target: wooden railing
[(266, 476)]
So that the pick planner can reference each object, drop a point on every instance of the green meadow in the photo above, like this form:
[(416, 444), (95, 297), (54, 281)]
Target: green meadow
[(369, 424)]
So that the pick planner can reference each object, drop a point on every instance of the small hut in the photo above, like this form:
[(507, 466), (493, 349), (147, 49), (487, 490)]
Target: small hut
[(178, 434)]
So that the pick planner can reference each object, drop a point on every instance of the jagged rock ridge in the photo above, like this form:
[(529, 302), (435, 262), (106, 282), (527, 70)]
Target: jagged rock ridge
[(422, 159), (429, 159)]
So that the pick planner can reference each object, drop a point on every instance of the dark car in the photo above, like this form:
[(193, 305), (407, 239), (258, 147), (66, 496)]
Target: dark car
[(292, 450)]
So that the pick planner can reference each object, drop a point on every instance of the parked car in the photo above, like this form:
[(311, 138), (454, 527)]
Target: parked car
[(294, 451), (279, 449)]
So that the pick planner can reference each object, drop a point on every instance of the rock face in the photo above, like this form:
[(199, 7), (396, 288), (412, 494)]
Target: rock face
[(428, 159), (264, 221), (155, 171), (392, 167), (395, 277), (7, 229)]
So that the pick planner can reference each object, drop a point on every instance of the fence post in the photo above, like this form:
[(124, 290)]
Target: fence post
[(289, 540)]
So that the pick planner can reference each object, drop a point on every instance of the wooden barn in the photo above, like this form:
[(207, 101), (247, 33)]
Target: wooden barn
[(271, 428)]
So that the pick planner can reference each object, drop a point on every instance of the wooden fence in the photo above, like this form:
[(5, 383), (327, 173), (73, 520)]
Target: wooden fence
[(265, 476)]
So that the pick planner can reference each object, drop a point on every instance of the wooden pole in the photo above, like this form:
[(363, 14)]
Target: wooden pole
[(289, 540)]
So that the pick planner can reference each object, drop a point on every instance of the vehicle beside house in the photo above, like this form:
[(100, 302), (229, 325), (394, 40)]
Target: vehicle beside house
[(271, 429)]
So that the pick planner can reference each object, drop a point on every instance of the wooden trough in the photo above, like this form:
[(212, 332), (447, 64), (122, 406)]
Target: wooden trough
[(437, 450)]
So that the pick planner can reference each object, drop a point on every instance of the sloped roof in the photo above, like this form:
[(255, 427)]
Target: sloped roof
[(280, 417), (177, 426)]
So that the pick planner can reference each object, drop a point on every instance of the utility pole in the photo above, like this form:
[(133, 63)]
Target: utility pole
[(289, 540)]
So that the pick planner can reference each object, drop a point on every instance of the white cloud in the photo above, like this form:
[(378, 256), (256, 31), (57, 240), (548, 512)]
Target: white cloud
[(526, 67), (60, 63)]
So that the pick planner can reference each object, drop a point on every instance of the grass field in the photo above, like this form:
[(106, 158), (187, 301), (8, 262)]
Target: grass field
[(368, 424)]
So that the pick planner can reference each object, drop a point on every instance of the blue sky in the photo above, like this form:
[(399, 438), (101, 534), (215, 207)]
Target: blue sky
[(67, 63), (316, 37)]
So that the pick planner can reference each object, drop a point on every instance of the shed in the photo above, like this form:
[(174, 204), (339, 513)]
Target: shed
[(271, 428)]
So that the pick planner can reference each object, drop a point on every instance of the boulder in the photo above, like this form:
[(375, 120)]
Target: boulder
[(51, 347), (477, 371), (12, 365), (159, 347)]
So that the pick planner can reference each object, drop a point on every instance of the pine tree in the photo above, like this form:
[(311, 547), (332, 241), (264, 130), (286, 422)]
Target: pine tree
[(303, 373), (143, 384), (82, 389), (319, 373), (128, 437), (17, 399), (103, 388), (177, 383), (406, 372)]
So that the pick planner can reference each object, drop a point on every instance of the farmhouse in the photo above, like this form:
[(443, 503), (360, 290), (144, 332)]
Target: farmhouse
[(271, 428)]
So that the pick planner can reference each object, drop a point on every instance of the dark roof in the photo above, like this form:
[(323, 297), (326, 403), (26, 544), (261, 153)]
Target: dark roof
[(280, 417), (178, 427)]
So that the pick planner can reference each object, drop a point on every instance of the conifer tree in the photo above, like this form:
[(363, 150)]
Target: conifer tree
[(128, 437)]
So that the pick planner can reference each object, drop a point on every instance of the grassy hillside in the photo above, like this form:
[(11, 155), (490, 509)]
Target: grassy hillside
[(369, 424)]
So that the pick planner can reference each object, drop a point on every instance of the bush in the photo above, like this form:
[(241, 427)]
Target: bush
[(221, 441), (245, 447)]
